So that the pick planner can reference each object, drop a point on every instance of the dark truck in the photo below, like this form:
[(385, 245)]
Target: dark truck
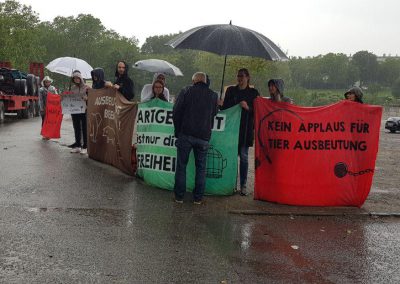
[(393, 124), (19, 91)]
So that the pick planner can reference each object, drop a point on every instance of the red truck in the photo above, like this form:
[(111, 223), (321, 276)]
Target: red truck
[(19, 91)]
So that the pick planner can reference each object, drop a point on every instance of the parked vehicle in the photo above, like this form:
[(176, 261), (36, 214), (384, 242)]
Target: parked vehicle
[(393, 124), (19, 91)]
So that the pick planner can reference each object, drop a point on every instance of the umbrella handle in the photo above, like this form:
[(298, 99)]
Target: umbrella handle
[(223, 78)]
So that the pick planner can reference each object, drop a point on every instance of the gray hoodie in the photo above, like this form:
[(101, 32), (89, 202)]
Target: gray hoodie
[(280, 86), (357, 92), (78, 89)]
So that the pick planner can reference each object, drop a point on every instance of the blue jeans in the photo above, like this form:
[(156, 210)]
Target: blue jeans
[(184, 146), (244, 165)]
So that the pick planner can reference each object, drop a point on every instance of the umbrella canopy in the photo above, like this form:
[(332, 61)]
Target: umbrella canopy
[(66, 65), (159, 66), (228, 40)]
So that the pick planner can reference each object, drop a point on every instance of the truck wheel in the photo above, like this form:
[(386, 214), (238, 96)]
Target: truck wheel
[(33, 108), (392, 130), (31, 84), (27, 111), (2, 112), (23, 87)]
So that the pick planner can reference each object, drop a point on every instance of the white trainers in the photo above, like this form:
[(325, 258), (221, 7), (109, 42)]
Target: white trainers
[(76, 150), (84, 151)]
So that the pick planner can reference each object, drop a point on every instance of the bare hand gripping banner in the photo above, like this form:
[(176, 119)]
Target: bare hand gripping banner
[(111, 120), (315, 156)]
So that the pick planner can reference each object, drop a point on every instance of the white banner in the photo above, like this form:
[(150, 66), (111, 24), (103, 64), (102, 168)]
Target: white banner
[(72, 104)]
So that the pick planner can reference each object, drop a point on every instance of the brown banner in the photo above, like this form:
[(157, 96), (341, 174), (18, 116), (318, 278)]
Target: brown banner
[(111, 120)]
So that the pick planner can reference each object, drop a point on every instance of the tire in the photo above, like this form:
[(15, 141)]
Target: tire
[(37, 82), (392, 130), (27, 112), (37, 108), (23, 88), (2, 112), (33, 108), (17, 84), (31, 85)]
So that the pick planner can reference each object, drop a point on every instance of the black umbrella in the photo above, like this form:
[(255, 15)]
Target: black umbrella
[(228, 40)]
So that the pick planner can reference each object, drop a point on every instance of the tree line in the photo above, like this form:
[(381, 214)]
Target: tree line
[(24, 38)]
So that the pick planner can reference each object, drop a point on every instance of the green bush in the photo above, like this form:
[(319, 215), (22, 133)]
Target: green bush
[(396, 88)]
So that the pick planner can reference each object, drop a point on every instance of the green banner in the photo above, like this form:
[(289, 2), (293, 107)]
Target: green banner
[(156, 151)]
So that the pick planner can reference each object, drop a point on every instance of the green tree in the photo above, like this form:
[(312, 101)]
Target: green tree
[(19, 34), (367, 65), (396, 88), (156, 44)]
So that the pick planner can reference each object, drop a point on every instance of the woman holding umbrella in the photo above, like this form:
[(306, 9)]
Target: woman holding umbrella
[(244, 95)]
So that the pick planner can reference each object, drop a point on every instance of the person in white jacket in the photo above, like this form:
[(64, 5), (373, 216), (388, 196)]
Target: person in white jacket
[(147, 91)]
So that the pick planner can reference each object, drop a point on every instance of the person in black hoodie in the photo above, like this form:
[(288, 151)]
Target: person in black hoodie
[(123, 83), (243, 95), (98, 78)]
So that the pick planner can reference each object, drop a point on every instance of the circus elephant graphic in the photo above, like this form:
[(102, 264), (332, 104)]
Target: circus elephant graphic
[(109, 133), (95, 122)]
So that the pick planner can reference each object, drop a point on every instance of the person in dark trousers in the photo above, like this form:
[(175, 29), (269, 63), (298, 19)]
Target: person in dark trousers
[(193, 116), (354, 94), (123, 83), (79, 119), (244, 95), (276, 88)]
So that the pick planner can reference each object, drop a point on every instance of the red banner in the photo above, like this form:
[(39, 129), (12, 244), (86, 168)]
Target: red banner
[(315, 156), (52, 122)]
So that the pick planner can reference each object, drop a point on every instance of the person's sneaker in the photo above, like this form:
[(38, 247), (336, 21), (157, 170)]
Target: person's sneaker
[(74, 145), (178, 201), (243, 191), (84, 151), (198, 202), (76, 150)]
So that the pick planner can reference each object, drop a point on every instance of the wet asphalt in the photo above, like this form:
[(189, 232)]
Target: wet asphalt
[(65, 218)]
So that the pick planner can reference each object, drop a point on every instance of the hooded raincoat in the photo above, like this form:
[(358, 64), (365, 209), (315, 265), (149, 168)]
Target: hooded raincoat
[(125, 83)]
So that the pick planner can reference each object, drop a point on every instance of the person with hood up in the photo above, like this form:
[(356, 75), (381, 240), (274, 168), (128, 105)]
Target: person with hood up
[(123, 83), (98, 78), (276, 88), (46, 87), (354, 94), (147, 91), (243, 95), (79, 119)]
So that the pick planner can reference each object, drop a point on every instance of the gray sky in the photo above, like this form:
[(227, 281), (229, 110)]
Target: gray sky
[(301, 28)]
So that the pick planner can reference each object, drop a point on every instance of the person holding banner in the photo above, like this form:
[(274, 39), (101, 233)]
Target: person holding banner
[(193, 116), (244, 95), (354, 94), (79, 89), (276, 87), (147, 91), (98, 78), (123, 83), (46, 87), (158, 91)]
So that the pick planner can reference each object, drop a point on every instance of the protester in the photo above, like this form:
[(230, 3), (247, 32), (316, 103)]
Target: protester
[(147, 91), (98, 78), (158, 90), (79, 119), (354, 94), (244, 95), (193, 115), (46, 87), (276, 88), (123, 83)]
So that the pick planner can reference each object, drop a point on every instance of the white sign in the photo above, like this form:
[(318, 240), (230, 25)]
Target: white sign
[(72, 104)]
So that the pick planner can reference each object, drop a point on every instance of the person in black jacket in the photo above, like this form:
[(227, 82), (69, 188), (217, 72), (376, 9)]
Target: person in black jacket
[(193, 116), (123, 83), (244, 95)]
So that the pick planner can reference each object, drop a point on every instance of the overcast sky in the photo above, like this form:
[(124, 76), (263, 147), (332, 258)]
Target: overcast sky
[(301, 28)]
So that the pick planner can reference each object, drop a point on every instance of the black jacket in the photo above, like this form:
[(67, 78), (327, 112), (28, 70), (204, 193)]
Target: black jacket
[(126, 84), (99, 74), (233, 96), (194, 111)]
